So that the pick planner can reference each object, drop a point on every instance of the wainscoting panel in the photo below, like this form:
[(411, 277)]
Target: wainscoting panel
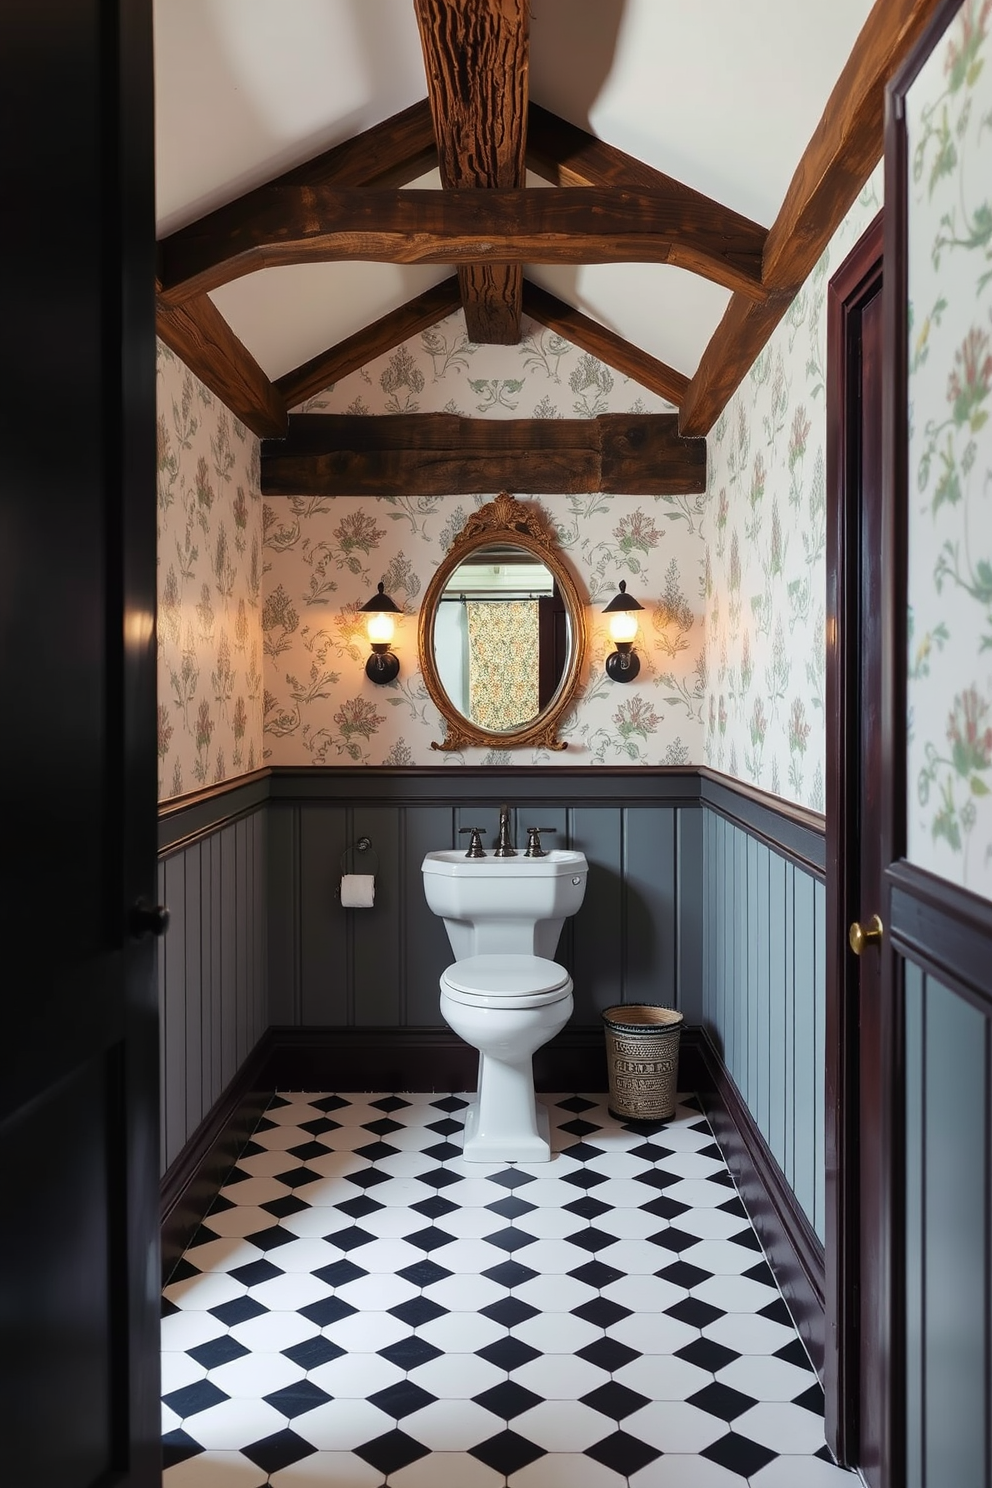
[(633, 940), (947, 1234), (213, 1006), (763, 1004)]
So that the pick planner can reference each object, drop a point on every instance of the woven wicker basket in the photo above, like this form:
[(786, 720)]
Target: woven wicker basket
[(642, 1057)]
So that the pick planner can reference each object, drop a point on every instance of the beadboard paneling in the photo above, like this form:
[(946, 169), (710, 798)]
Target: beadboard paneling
[(212, 975), (763, 998)]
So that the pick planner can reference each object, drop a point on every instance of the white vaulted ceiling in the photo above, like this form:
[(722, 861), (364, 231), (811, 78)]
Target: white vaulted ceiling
[(721, 94)]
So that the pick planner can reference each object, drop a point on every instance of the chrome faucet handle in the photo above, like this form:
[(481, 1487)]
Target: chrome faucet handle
[(534, 848), (475, 847), (504, 847)]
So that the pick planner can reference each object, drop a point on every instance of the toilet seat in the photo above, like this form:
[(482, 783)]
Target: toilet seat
[(506, 981)]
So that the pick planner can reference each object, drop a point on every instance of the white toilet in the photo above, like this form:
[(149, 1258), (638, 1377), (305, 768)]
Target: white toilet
[(505, 995)]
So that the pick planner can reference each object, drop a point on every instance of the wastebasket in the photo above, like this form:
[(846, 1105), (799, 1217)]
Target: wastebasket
[(642, 1056)]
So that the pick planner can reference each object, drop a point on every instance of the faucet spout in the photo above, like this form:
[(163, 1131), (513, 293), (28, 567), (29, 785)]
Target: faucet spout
[(504, 848)]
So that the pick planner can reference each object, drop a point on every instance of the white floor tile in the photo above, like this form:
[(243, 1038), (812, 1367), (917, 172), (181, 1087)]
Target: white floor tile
[(748, 1333), (266, 1164), (465, 1293), (563, 1425), (446, 1470), (325, 1470), (782, 1428), (554, 1294), (734, 1293), (306, 1254), (288, 1293), (544, 1224), (280, 1138), (636, 1257), (356, 1376), (559, 1377), (209, 1289), (179, 1370), (698, 1194), (675, 1426), (470, 1256), (803, 1472), (342, 1425), (457, 1376), (711, 1224), (396, 1221), (566, 1468), (468, 1224), (557, 1333), (226, 1254), (388, 1256), (473, 1193), (366, 1332), (548, 1193), (452, 1425), (170, 1420), (461, 1332), (629, 1224), (377, 1292), (677, 1471), (552, 1257), (652, 1333), (766, 1378), (233, 1424), (187, 1330), (255, 1375), (722, 1257), (243, 1219), (644, 1293), (253, 1191), (273, 1331), (215, 1470), (660, 1377)]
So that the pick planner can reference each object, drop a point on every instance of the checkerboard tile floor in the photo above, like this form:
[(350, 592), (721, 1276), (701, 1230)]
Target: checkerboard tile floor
[(363, 1308)]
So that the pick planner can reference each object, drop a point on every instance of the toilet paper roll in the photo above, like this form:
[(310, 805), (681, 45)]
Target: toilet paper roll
[(357, 890)]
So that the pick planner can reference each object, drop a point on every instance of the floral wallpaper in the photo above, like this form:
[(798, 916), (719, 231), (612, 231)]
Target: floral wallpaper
[(209, 586), (324, 557), (765, 545), (949, 760)]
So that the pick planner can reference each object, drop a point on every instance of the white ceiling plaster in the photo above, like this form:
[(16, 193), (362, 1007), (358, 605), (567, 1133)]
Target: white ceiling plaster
[(722, 94)]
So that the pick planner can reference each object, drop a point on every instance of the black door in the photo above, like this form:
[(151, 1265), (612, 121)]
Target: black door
[(78, 1055)]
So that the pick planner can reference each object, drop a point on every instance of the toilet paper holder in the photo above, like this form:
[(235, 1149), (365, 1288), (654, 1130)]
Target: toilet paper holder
[(360, 857)]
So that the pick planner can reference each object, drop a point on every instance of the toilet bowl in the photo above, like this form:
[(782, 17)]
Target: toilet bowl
[(506, 1006)]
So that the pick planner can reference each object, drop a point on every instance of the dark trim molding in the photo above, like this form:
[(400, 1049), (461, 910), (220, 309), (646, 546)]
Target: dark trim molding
[(793, 1249), (416, 1059), (791, 831), (190, 1185), (188, 819), (942, 928)]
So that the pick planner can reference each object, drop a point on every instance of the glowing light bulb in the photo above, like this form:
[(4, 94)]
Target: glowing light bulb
[(380, 627), (623, 626)]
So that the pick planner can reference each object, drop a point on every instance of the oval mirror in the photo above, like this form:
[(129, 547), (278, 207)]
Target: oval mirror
[(501, 631)]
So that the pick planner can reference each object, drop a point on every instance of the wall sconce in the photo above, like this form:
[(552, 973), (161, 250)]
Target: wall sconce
[(622, 664), (382, 666)]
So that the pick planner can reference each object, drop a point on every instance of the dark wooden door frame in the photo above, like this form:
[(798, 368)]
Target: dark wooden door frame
[(855, 283)]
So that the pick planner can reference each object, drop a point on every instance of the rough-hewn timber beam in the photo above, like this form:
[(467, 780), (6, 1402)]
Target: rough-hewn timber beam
[(541, 225), (374, 341), (845, 148), (590, 336), (197, 332), (435, 454), (480, 119)]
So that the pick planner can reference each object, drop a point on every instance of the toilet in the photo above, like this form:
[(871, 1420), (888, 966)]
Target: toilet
[(505, 995)]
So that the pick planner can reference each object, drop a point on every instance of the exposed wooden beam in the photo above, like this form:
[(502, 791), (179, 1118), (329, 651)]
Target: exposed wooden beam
[(845, 147), (573, 225), (477, 60), (197, 332), (590, 336), (435, 454), (376, 339)]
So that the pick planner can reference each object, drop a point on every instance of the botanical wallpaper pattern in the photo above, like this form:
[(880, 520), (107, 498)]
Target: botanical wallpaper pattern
[(324, 557), (949, 761), (765, 534), (209, 586)]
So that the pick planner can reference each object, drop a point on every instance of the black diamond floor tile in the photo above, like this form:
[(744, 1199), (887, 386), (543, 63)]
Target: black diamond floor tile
[(178, 1447), (432, 1238), (624, 1453), (350, 1239), (575, 1103), (734, 1206), (438, 1178), (238, 1310), (329, 1103), (295, 1400), (794, 1353), (584, 1178), (376, 1151), (651, 1152), (284, 1207), (777, 1312), (509, 1311), (256, 1272), (417, 1311), (721, 1400), (358, 1208), (401, 1399), (507, 1452), (297, 1177), (410, 1353), (665, 1208), (511, 1207), (218, 1351), (762, 1275), (339, 1273), (424, 1273), (591, 1239), (511, 1178), (657, 1178), (746, 1238), (507, 1400), (601, 1312), (596, 1274), (184, 1270), (608, 1354), (390, 1103), (683, 1275), (387, 1454), (508, 1353), (697, 1314), (811, 1399), (510, 1239), (579, 1128), (169, 1309), (442, 1151), (278, 1451), (192, 1399), (306, 1150), (614, 1399), (445, 1126), (582, 1152), (368, 1178), (313, 1352), (382, 1127), (319, 1126), (706, 1354), (739, 1454), (327, 1311), (450, 1103), (587, 1207), (510, 1274), (435, 1207), (674, 1239), (645, 1128)]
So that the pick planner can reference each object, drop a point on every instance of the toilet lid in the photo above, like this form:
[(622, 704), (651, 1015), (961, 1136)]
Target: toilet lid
[(506, 976)]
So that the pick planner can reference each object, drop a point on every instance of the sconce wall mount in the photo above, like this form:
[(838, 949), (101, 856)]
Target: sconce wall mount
[(623, 665), (383, 665)]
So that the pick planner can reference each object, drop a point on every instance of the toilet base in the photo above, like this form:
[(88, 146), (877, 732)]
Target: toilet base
[(519, 1146)]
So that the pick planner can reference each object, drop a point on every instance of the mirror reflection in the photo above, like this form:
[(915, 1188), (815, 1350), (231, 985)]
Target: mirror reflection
[(501, 637)]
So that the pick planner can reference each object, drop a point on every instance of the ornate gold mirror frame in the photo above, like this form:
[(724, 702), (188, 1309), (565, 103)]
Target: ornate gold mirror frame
[(508, 521)]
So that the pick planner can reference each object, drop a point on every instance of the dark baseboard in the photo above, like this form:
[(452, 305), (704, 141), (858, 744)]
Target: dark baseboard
[(794, 1252), (416, 1059), (190, 1185)]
